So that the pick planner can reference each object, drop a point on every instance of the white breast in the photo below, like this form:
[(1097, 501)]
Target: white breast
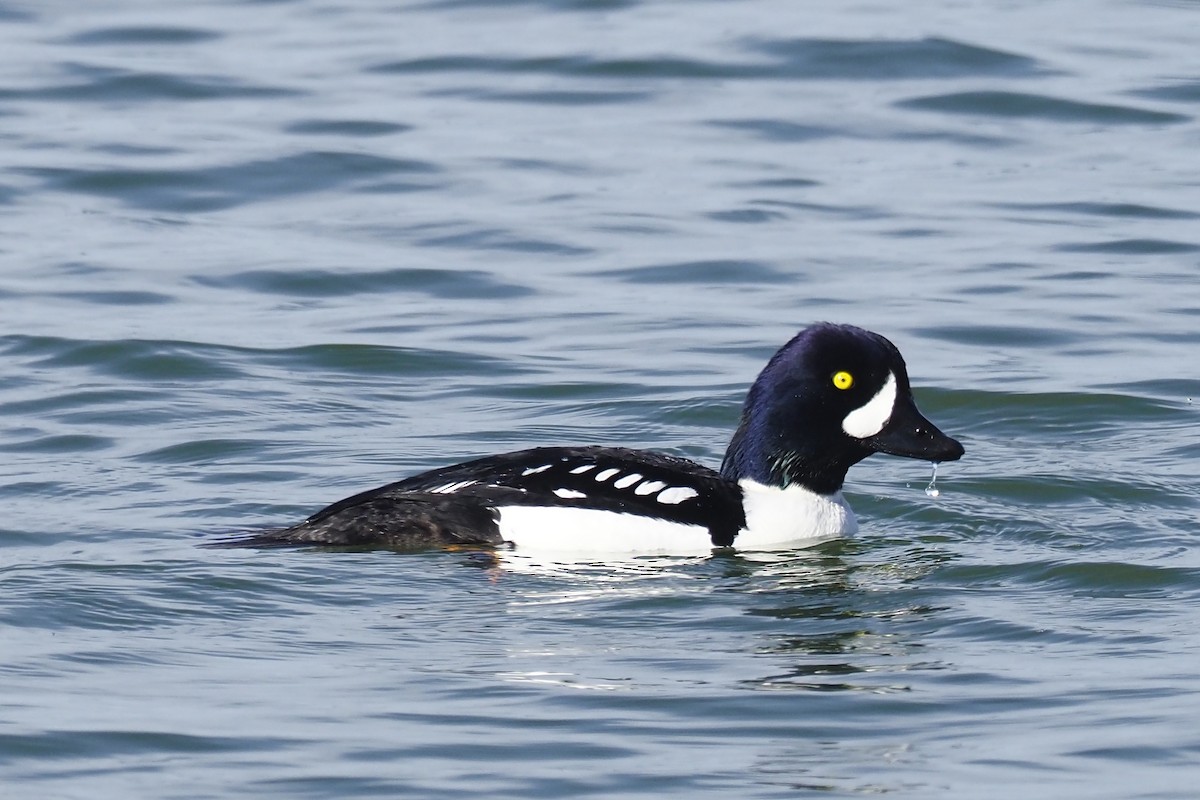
[(776, 517)]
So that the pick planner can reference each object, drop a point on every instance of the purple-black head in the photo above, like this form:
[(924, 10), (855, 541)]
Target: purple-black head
[(829, 398)]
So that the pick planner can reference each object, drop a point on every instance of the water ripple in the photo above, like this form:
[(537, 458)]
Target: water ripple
[(346, 127), (1117, 210), (143, 35), (1130, 247), (560, 97), (792, 59), (222, 187), (893, 59), (709, 272), (110, 85), (778, 130), (437, 283), (1022, 105), (497, 239), (1183, 91)]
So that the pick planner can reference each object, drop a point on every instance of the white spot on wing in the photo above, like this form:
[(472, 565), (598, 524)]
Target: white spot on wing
[(606, 474), (569, 494), (583, 469), (536, 470), (627, 481), (869, 418), (677, 494), (451, 488), (649, 487)]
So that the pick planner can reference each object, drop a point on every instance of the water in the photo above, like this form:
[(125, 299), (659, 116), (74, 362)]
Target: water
[(258, 256), (932, 489)]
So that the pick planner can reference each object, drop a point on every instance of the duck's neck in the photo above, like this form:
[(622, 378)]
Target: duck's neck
[(774, 461)]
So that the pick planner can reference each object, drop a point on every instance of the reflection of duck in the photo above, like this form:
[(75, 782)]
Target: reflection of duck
[(827, 399)]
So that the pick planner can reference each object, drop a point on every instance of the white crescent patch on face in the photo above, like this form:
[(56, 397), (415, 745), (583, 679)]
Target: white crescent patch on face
[(869, 418)]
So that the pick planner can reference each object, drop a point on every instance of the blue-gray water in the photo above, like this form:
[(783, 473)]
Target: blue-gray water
[(256, 256)]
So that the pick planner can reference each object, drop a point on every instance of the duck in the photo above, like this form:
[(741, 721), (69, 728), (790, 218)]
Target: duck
[(831, 396)]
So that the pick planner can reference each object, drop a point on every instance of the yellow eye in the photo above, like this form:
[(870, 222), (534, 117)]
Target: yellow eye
[(843, 380)]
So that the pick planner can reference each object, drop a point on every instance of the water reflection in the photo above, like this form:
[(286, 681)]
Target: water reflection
[(847, 615), (852, 616)]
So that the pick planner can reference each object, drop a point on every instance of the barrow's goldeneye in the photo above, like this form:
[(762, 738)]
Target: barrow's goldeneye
[(829, 398)]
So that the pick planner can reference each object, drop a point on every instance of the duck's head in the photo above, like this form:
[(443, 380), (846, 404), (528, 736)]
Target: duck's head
[(829, 398)]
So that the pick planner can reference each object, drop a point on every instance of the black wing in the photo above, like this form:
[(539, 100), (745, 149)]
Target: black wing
[(604, 478), (456, 504), (413, 520)]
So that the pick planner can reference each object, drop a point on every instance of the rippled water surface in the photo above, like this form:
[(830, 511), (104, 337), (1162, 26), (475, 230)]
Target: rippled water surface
[(257, 256)]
